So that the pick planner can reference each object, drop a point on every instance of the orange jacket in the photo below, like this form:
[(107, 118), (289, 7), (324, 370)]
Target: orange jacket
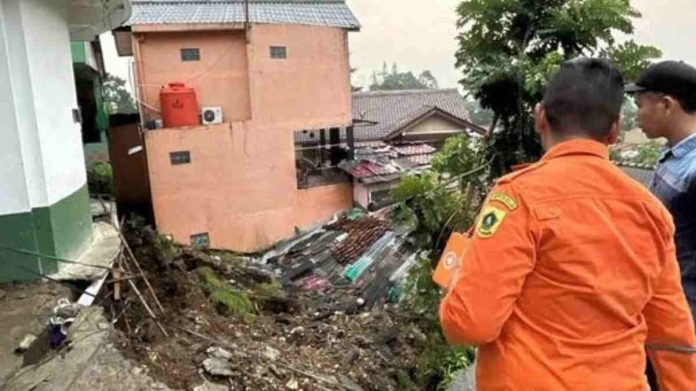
[(571, 273)]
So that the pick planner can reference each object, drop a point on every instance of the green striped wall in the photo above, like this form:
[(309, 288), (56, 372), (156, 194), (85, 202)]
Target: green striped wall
[(62, 230)]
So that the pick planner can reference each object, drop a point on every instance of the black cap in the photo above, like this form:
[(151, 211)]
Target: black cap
[(674, 78)]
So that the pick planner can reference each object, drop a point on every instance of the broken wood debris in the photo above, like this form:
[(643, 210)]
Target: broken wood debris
[(290, 332), (140, 269)]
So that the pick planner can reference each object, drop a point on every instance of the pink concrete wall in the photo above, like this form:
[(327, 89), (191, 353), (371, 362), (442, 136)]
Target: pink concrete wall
[(240, 186), (318, 203), (221, 77), (244, 201), (308, 90)]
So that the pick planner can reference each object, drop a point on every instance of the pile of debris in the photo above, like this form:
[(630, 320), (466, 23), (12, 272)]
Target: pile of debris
[(351, 264), (229, 322)]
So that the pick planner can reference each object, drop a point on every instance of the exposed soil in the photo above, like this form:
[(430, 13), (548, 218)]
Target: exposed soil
[(288, 341)]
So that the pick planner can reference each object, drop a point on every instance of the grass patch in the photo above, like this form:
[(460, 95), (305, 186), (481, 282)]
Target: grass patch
[(225, 298)]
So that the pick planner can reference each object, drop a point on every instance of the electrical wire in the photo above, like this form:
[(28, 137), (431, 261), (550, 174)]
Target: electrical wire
[(136, 92)]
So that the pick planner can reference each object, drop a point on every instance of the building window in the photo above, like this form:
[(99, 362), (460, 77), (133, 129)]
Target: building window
[(318, 154), (279, 52), (190, 54), (380, 198), (200, 240), (180, 157)]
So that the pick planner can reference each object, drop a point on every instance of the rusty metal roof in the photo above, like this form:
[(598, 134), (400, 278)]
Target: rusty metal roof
[(388, 163), (328, 13)]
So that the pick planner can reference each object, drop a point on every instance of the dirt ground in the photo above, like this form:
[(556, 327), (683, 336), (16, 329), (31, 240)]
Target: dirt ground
[(25, 309), (286, 340)]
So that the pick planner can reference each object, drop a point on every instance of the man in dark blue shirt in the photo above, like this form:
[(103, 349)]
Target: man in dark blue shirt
[(666, 97)]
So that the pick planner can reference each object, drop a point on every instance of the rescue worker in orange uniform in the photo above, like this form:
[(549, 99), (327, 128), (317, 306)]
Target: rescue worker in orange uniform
[(571, 272)]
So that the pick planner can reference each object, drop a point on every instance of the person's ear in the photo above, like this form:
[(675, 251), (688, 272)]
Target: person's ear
[(615, 132), (541, 123), (668, 104)]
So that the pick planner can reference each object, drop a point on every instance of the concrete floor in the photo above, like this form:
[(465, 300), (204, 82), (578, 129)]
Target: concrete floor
[(25, 309), (102, 253), (91, 363)]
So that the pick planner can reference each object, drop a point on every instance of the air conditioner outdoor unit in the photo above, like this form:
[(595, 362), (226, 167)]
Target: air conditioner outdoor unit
[(211, 115)]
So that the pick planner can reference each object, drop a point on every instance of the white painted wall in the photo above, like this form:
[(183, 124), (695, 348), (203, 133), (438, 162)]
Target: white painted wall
[(24, 104), (360, 194), (41, 156), (434, 125), (14, 197), (90, 58), (50, 68)]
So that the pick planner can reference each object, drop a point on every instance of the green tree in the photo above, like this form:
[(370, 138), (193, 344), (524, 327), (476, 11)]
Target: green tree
[(395, 80), (433, 202), (629, 115), (478, 114), (508, 49), (117, 97), (433, 205), (427, 79)]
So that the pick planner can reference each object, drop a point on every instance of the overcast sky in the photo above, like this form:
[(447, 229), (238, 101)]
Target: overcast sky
[(419, 35)]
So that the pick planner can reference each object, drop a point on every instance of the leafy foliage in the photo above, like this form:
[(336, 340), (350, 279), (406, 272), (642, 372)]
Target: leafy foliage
[(434, 203), (395, 80), (629, 113), (117, 97), (438, 362), (100, 179), (458, 156), (631, 57), (645, 154), (650, 154), (508, 48), (428, 207), (225, 298), (478, 114)]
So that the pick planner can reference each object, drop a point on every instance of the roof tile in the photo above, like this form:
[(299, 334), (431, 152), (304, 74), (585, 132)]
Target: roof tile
[(389, 109), (329, 13)]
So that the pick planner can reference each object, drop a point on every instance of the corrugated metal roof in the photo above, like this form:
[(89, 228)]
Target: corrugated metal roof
[(329, 13), (391, 109), (421, 160), (416, 149), (388, 163)]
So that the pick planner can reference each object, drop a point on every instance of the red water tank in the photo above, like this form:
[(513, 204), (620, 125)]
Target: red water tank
[(179, 106)]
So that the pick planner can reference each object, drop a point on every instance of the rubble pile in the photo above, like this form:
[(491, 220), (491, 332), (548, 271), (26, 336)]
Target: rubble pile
[(299, 318), (348, 265)]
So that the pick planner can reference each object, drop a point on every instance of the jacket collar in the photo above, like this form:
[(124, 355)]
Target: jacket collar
[(577, 147), (684, 147)]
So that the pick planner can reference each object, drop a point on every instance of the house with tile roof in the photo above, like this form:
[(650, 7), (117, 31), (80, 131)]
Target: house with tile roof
[(267, 69), (397, 133), (429, 116)]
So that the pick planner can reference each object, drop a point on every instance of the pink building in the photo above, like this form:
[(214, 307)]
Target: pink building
[(234, 183)]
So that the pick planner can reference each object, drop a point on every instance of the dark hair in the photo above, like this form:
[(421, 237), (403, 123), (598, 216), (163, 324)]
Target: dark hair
[(584, 96), (688, 103)]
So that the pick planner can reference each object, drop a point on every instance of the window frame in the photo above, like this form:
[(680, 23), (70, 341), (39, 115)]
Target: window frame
[(274, 52), (186, 54)]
